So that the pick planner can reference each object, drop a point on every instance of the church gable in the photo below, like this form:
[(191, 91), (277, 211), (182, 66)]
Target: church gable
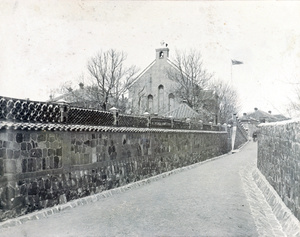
[(153, 91)]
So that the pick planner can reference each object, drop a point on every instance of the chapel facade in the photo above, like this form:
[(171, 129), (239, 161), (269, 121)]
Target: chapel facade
[(154, 92)]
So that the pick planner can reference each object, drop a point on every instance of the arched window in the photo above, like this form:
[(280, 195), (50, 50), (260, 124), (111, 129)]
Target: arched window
[(161, 54), (160, 97), (160, 87), (150, 103), (171, 101)]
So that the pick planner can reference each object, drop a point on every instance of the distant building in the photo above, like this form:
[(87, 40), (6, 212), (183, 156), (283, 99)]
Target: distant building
[(80, 97), (155, 92), (264, 117), (252, 119)]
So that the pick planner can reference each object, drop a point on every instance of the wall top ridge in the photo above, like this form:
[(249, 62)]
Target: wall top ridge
[(88, 128)]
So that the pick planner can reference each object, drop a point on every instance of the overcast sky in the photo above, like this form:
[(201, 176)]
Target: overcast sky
[(45, 43)]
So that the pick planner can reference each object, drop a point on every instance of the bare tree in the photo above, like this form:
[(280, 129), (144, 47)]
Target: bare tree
[(228, 100), (110, 79), (191, 77), (293, 108), (80, 97)]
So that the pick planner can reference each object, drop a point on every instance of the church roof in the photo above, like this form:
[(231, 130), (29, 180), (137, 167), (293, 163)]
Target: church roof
[(183, 111), (143, 72), (157, 60)]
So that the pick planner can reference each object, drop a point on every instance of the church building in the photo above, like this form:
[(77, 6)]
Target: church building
[(154, 92)]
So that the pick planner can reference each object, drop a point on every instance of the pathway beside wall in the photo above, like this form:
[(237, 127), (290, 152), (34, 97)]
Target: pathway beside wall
[(43, 168), (213, 198)]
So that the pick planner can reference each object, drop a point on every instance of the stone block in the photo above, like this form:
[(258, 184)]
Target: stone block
[(33, 153), (54, 145), (33, 188), (3, 153), (44, 152), (19, 138), (94, 143), (1, 167), (87, 158), (24, 165), (17, 154), (10, 136), (51, 137), (19, 165), (56, 161), (51, 152), (38, 164), (41, 137), (44, 164), (24, 154), (33, 136), (62, 199), (39, 153), (23, 146), (26, 137), (51, 162), (9, 153), (59, 151), (29, 146), (6, 144), (3, 135), (10, 166), (30, 165)]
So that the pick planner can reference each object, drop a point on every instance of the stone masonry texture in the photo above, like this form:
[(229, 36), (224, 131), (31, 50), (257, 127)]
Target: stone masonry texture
[(279, 160), (40, 169), (241, 136)]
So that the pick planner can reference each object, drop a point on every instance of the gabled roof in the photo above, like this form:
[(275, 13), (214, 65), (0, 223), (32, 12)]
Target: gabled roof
[(248, 118), (151, 64), (183, 111), (280, 117), (259, 114), (262, 115), (143, 72)]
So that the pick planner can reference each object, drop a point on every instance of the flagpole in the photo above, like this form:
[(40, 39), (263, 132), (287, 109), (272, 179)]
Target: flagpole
[(231, 74)]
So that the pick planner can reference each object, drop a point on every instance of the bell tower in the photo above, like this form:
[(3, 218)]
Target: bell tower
[(163, 52)]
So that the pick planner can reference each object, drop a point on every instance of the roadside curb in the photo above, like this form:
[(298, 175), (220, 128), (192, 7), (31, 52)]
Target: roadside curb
[(289, 223), (44, 213)]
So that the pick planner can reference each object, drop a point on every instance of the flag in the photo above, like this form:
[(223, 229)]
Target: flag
[(235, 62)]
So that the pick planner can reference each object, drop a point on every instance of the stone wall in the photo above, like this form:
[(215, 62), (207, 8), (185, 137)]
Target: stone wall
[(241, 135), (42, 168), (279, 160)]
